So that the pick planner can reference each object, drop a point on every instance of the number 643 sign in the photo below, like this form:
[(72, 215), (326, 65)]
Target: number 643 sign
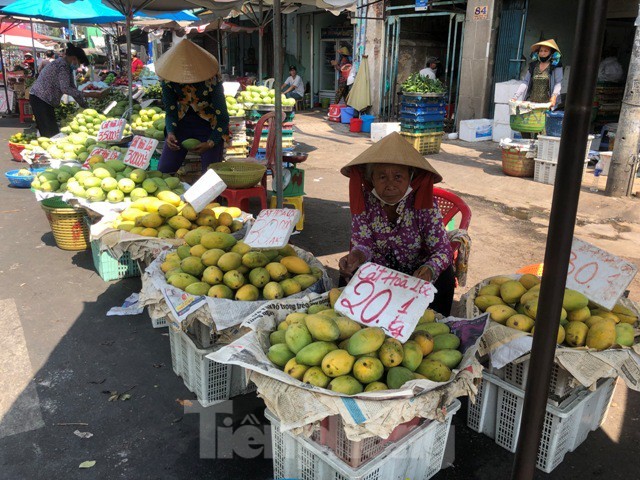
[(381, 297)]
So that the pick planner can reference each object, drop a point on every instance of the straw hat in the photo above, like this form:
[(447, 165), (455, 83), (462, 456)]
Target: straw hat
[(546, 43), (186, 62), (392, 149), (344, 51)]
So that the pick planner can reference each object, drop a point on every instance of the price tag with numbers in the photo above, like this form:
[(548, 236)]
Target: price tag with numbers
[(106, 154), (111, 130), (378, 296), (140, 152), (272, 228), (599, 275)]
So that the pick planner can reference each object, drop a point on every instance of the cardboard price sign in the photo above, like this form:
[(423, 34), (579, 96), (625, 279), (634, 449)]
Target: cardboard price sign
[(599, 275), (140, 152), (111, 130), (378, 296), (272, 228), (104, 153)]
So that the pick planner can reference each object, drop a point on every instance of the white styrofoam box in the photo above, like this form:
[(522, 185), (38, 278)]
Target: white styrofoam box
[(605, 158), (380, 130), (501, 130), (419, 455), (476, 130), (501, 113), (505, 91), (499, 407)]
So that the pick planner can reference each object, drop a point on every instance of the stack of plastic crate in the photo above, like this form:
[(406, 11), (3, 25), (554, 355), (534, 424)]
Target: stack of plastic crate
[(416, 451), (572, 412), (238, 147), (422, 121)]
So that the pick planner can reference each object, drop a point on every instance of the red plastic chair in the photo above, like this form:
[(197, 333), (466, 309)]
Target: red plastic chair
[(450, 205)]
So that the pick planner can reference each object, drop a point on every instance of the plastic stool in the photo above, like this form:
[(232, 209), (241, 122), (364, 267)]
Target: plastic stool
[(296, 202), (240, 197), (24, 107), (299, 104)]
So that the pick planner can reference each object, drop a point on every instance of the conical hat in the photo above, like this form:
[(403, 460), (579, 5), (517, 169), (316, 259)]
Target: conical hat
[(392, 149), (546, 43), (186, 62)]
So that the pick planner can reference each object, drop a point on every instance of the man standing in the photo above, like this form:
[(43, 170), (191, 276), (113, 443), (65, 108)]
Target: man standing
[(293, 86), (430, 70)]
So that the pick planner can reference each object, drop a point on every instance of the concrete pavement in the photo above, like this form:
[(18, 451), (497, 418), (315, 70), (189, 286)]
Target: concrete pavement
[(70, 357)]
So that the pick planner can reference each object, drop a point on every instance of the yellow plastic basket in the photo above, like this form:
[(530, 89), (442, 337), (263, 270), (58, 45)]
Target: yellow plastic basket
[(239, 174), (68, 225), (425, 143)]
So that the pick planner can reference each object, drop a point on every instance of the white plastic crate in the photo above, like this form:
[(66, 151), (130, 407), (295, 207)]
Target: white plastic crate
[(212, 382), (549, 148), (160, 322), (561, 385), (498, 412), (418, 456), (545, 171), (201, 333), (605, 158)]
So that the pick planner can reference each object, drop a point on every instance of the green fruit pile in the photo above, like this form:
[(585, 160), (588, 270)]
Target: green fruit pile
[(262, 96), (111, 181), (234, 108), (327, 350), (23, 138), (514, 303), (149, 122), (217, 265), (88, 121)]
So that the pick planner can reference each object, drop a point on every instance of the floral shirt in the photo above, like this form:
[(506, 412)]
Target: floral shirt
[(417, 239), (54, 81), (205, 98)]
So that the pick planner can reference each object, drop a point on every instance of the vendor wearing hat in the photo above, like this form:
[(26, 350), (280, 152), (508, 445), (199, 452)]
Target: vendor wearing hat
[(53, 82), (543, 80), (430, 70), (30, 63), (395, 221), (136, 64), (344, 59), (195, 106)]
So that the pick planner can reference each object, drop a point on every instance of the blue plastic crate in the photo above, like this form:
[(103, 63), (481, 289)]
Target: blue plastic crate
[(423, 109), (111, 269), (432, 117), (553, 123), (420, 101), (422, 127)]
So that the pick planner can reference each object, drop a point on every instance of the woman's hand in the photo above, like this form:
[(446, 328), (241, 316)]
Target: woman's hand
[(203, 147), (172, 141), (334, 63), (350, 263), (553, 100), (424, 273)]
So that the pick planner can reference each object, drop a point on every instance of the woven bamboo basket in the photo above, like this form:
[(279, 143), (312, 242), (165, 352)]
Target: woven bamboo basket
[(239, 174), (516, 164), (68, 224)]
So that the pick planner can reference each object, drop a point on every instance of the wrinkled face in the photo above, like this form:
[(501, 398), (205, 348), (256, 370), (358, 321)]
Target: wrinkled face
[(390, 181), (544, 51)]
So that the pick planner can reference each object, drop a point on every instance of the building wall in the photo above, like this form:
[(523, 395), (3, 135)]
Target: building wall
[(374, 49), (477, 60)]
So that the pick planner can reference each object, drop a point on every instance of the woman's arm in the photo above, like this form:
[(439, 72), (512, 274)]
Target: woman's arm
[(361, 246), (222, 115), (521, 93), (557, 81), (67, 87), (170, 101)]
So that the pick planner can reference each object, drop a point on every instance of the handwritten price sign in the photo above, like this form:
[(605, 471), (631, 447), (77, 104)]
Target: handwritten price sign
[(111, 130), (377, 296), (106, 154), (272, 228), (599, 275), (140, 152)]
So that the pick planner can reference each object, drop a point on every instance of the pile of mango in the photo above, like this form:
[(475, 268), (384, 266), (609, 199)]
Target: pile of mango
[(217, 265), (166, 216), (327, 350), (514, 303)]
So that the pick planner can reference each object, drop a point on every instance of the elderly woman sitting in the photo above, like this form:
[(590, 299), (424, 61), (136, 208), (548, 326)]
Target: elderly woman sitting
[(395, 222)]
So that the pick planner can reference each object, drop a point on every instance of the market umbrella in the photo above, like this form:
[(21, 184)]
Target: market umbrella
[(18, 41), (85, 11), (360, 95)]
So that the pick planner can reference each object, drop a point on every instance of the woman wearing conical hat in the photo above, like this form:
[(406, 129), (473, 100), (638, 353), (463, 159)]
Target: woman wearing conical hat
[(194, 103), (543, 80), (395, 221)]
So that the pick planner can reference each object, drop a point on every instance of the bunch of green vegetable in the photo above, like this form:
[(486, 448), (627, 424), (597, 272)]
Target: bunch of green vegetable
[(100, 104), (65, 111), (416, 83), (153, 91)]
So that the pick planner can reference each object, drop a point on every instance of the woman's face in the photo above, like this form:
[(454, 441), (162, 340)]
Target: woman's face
[(544, 51), (390, 181)]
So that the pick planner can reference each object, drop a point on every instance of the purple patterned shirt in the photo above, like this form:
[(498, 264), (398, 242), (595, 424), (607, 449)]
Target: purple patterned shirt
[(54, 81), (417, 239)]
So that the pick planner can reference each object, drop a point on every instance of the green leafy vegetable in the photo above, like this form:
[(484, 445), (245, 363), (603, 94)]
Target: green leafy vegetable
[(416, 83)]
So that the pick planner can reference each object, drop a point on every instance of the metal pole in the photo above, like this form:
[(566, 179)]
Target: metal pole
[(277, 123), (4, 81), (625, 153), (130, 73), (589, 35), (260, 43), (312, 83), (33, 46)]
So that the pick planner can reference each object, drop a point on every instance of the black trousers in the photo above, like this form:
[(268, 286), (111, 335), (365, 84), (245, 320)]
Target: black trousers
[(45, 117), (443, 300)]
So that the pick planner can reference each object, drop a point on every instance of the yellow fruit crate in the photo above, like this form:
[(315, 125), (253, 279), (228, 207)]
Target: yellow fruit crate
[(425, 143)]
